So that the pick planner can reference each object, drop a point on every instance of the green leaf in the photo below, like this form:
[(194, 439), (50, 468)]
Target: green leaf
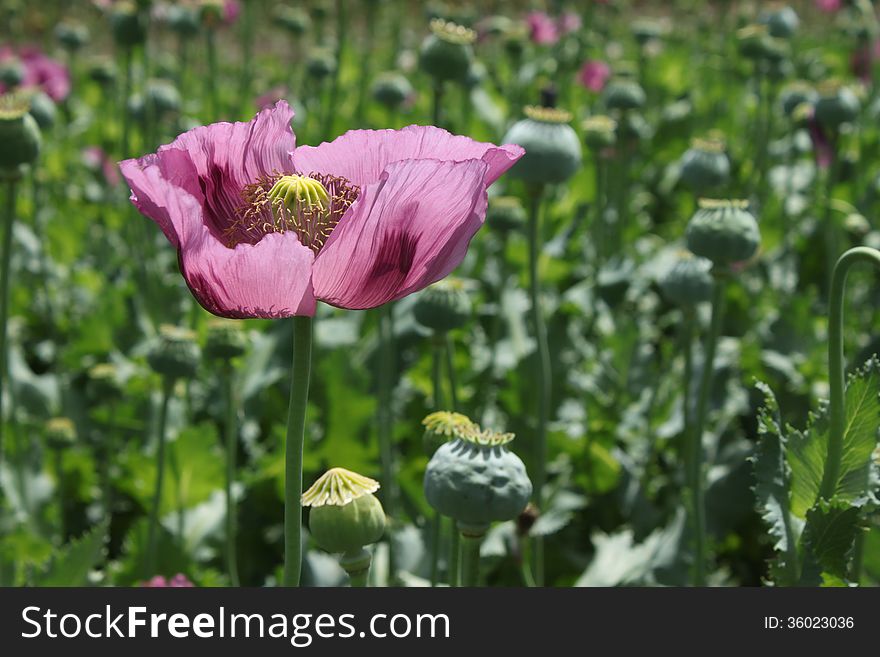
[(772, 490), (828, 538), (70, 565)]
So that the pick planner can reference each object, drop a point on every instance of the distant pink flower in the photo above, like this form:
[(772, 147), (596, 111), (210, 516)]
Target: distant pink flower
[(39, 71), (823, 148), (96, 159), (569, 22), (829, 6), (542, 28), (271, 96), (404, 205), (179, 581), (231, 11), (594, 74), (862, 60)]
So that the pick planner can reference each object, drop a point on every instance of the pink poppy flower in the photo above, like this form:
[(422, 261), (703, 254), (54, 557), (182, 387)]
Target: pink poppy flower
[(271, 96), (569, 22), (374, 216), (829, 6), (594, 74), (39, 71), (823, 149), (179, 581), (542, 28)]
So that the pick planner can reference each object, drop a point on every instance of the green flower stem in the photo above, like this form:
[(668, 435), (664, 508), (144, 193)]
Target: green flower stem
[(454, 556), (542, 375), (153, 522), (470, 559), (296, 425), (5, 273), (687, 346), (366, 59), (128, 65), (837, 407), (436, 533), (450, 371), (59, 490), (386, 448), (342, 19), (695, 438), (525, 570), (231, 429), (359, 579), (247, 53), (437, 104), (438, 347), (829, 222), (211, 78), (357, 565)]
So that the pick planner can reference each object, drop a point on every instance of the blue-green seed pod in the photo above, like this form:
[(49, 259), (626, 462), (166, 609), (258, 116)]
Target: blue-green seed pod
[(600, 132), (444, 306), (321, 64), (225, 339), (293, 20), (447, 53), (836, 105), (163, 97), (688, 282), (345, 516), (174, 354), (104, 382), (43, 109), (11, 73), (781, 22), (184, 20), (103, 71), (553, 150), (392, 90), (724, 232), (795, 94), (19, 135), (623, 94), (704, 166), (127, 25), (477, 481), (646, 30), (71, 35), (506, 214)]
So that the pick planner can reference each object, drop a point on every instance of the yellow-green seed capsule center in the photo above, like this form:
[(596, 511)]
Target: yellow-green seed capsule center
[(300, 193)]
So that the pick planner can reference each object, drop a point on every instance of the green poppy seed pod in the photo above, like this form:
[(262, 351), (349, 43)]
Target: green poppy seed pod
[(781, 22), (103, 71), (320, 64), (724, 232), (515, 41), (632, 127), (293, 20), (476, 480), (647, 30), (43, 109), (175, 354), (497, 25), (443, 426), (688, 282), (751, 41), (506, 214), (225, 339), (103, 382), (446, 54), (71, 35), (623, 95), (345, 516), (211, 13), (836, 105), (553, 150), (600, 132), (127, 25), (163, 97), (392, 90), (794, 94), (11, 73), (443, 306), (704, 166), (60, 433), (320, 11), (19, 135), (183, 20)]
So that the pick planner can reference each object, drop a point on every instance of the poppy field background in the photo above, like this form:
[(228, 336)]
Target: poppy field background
[(92, 281)]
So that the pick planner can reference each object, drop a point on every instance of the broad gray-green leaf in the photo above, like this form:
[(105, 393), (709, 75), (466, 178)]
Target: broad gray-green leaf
[(829, 536), (71, 564)]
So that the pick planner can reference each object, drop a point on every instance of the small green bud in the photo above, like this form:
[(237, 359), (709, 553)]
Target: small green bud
[(836, 105), (553, 150), (320, 64), (646, 30), (225, 339), (447, 53), (43, 109), (293, 19), (11, 73), (795, 94), (103, 71), (60, 433), (781, 21), (345, 516), (103, 382), (392, 90), (725, 232), (600, 132), (71, 35), (689, 281), (443, 306), (19, 134), (183, 20), (175, 354), (127, 25)]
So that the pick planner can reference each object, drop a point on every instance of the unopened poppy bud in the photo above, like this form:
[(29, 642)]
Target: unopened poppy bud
[(781, 21), (103, 71), (443, 426), (599, 131), (127, 24), (446, 53), (794, 94), (477, 480), (689, 281), (704, 166), (623, 94), (345, 516), (392, 90), (724, 232), (43, 109), (837, 104), (553, 150), (293, 20), (225, 340), (183, 20), (175, 354), (71, 35), (11, 73), (19, 134), (60, 433), (506, 214), (444, 306), (320, 64)]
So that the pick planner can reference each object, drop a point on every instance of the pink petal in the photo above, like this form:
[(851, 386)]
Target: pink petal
[(269, 279), (362, 155), (404, 233)]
